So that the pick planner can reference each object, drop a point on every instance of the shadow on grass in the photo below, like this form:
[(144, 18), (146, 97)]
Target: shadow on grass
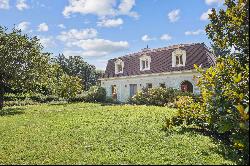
[(62, 104), (11, 111), (112, 104), (224, 145)]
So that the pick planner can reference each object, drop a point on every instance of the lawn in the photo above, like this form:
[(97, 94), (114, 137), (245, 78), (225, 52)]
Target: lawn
[(85, 133)]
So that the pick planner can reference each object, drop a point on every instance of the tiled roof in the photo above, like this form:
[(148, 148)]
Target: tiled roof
[(161, 60)]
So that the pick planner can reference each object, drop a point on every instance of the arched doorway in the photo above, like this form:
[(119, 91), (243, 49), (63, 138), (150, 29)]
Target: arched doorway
[(186, 86)]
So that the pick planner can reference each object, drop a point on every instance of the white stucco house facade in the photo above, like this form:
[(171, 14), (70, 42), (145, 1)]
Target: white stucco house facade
[(171, 66)]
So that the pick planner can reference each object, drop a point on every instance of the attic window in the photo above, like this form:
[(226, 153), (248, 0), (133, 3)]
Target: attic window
[(119, 65), (145, 62), (178, 58)]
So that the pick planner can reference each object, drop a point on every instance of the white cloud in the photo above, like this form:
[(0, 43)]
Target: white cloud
[(174, 15), (97, 47), (81, 53), (90, 46), (146, 38), (61, 26), (23, 25), (101, 45), (204, 15), (43, 27), (166, 37), (210, 2), (4, 4), (125, 8), (47, 41), (110, 23), (197, 32), (21, 5), (101, 8), (74, 35)]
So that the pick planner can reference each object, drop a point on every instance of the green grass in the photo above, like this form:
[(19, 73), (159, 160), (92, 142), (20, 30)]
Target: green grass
[(85, 133)]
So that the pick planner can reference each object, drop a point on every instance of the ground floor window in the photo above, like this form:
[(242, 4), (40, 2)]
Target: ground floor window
[(133, 89), (186, 86), (149, 85), (163, 85), (114, 92)]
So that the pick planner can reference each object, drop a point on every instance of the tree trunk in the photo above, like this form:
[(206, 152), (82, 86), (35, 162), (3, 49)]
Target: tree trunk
[(1, 95)]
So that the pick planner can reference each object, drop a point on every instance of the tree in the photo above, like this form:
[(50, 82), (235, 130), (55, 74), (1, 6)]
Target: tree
[(68, 86), (224, 106), (229, 29), (225, 87), (22, 63), (77, 67)]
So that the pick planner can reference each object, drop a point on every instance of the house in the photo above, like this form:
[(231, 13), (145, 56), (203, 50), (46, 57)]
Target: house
[(171, 66)]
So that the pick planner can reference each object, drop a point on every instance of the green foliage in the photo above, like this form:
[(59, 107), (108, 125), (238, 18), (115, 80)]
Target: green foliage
[(16, 97), (225, 87), (156, 96), (78, 98), (229, 28), (189, 113), (89, 133), (22, 65), (225, 103), (38, 97), (96, 94), (24, 68), (75, 66), (20, 103), (28, 98), (110, 100), (68, 86), (225, 92)]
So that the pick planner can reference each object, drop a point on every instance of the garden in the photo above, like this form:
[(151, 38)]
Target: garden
[(90, 133), (53, 110)]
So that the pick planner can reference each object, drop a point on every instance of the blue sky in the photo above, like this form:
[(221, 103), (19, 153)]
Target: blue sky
[(99, 30)]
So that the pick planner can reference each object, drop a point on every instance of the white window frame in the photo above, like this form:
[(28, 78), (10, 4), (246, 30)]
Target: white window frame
[(177, 54), (117, 63), (145, 59)]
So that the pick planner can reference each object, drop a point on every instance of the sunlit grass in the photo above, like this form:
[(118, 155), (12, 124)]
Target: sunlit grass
[(85, 133)]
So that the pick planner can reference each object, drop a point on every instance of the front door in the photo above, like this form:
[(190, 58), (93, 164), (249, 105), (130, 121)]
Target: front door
[(133, 89)]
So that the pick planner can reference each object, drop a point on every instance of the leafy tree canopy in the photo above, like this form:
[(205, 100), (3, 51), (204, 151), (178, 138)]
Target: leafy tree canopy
[(229, 29), (22, 62)]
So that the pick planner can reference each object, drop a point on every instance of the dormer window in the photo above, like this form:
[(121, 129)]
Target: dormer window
[(145, 62), (119, 65), (178, 58)]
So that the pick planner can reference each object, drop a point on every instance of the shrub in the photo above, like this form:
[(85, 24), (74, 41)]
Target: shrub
[(110, 100), (96, 94), (189, 112), (51, 98), (78, 98), (37, 97), (19, 103), (15, 97), (68, 87), (225, 103), (225, 92), (157, 96)]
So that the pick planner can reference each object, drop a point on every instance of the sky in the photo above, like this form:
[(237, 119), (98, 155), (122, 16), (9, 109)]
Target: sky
[(99, 30)]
